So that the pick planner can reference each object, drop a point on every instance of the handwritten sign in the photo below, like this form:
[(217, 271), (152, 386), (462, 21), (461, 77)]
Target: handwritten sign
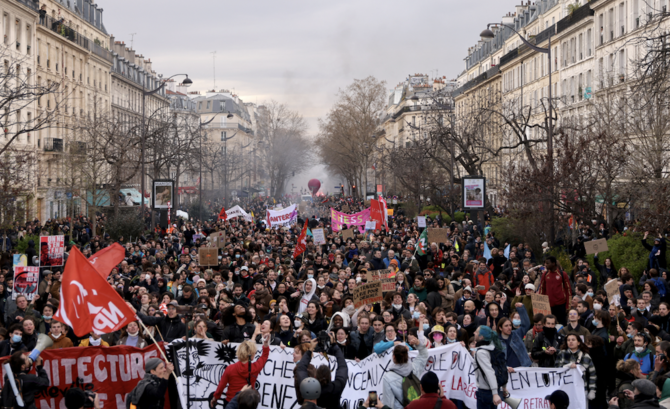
[(348, 234), (384, 277), (370, 225), (346, 209), (319, 236), (208, 256), (540, 304), (438, 235), (596, 246), (368, 294), (421, 221), (612, 289), (218, 239)]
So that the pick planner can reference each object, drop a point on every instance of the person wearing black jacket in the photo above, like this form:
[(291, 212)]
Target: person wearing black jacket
[(238, 324), (150, 391), (29, 385), (170, 327), (547, 343), (331, 391)]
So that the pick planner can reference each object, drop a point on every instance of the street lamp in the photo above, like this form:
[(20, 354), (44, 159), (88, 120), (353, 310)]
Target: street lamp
[(187, 83), (487, 35)]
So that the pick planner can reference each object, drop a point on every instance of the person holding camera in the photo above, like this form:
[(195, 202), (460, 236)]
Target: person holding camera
[(27, 385), (331, 391), (76, 398), (150, 391)]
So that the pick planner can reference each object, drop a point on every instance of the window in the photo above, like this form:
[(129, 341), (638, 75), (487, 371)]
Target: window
[(223, 136), (622, 21), (588, 43), (601, 22), (580, 47)]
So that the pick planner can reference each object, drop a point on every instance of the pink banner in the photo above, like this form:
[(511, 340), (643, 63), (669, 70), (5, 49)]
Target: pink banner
[(338, 219)]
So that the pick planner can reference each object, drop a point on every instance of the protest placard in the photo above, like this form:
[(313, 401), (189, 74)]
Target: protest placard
[(438, 235), (208, 256), (370, 225), (612, 289), (26, 280), (421, 221), (389, 212), (540, 304), (348, 233), (319, 236), (52, 249), (384, 277), (346, 209), (368, 294), (596, 246)]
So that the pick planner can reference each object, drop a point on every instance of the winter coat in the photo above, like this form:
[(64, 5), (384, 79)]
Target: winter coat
[(149, 392), (170, 328), (392, 395), (516, 342), (566, 358), (541, 344), (420, 294), (486, 377), (447, 295), (235, 375), (306, 298), (31, 385), (355, 341), (645, 359), (331, 393), (641, 402), (579, 330), (238, 333), (60, 342)]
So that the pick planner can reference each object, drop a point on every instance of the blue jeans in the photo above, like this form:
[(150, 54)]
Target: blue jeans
[(485, 399)]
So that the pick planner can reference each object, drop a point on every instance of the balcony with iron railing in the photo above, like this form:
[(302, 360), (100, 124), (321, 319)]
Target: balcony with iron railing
[(53, 145), (575, 17), (59, 27), (31, 4)]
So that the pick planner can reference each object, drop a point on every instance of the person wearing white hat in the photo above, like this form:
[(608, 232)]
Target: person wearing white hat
[(525, 299)]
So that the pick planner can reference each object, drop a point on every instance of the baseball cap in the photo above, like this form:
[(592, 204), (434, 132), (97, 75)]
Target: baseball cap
[(559, 398)]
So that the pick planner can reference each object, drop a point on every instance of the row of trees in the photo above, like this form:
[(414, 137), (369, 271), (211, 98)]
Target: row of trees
[(610, 159)]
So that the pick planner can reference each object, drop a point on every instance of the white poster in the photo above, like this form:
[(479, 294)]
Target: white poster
[(452, 364), (163, 193), (282, 218), (421, 221), (474, 192), (370, 225), (319, 236), (237, 211)]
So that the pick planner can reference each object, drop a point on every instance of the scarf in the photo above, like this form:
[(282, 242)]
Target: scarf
[(642, 354), (666, 390), (535, 332)]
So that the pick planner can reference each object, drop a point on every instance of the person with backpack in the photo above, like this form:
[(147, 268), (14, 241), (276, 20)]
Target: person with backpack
[(490, 368), (401, 383), (555, 283), (150, 391), (431, 395), (642, 353)]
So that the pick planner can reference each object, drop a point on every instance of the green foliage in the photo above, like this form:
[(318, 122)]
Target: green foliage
[(562, 257), (411, 209), (626, 250), (459, 217), (504, 229), (22, 245), (126, 224)]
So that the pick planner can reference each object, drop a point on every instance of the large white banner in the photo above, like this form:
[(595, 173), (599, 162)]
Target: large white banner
[(452, 364), (282, 218), (237, 211)]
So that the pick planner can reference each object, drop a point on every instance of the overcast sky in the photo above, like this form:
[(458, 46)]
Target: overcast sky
[(301, 52)]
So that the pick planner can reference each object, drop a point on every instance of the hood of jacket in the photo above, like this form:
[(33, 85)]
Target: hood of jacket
[(401, 369), (309, 295), (345, 319)]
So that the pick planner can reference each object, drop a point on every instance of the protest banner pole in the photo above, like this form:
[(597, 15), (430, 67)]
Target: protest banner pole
[(159, 348)]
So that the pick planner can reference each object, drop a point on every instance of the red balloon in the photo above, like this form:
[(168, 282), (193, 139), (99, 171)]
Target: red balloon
[(314, 185)]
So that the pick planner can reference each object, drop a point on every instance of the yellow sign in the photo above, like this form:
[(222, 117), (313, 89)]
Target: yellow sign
[(389, 212)]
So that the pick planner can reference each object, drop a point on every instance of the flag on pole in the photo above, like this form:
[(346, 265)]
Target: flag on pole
[(301, 246), (222, 215), (422, 245), (108, 258), (507, 249), (487, 252), (88, 302)]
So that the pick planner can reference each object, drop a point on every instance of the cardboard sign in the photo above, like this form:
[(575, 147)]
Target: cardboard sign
[(370, 225), (612, 289), (540, 304), (368, 294), (302, 207), (346, 209), (319, 236), (218, 239), (421, 221), (596, 246), (438, 235), (208, 256), (384, 277), (348, 234)]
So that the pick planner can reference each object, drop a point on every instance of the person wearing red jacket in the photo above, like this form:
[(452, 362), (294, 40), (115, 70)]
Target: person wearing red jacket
[(243, 372), (483, 277), (556, 284)]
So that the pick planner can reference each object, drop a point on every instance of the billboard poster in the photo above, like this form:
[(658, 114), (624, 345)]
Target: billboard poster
[(163, 193), (52, 249), (474, 192), (26, 280)]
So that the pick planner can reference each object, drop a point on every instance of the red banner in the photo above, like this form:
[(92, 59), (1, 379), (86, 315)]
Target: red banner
[(376, 213), (111, 372)]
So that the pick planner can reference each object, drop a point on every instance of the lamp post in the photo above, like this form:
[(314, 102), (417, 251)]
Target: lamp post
[(187, 83), (225, 164), (487, 35)]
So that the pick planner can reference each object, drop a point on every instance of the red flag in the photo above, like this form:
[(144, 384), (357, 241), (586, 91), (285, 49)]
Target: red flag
[(88, 302), (108, 258), (385, 213), (302, 242), (222, 215)]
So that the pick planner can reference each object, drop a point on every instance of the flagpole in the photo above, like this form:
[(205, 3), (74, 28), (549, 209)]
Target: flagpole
[(159, 347)]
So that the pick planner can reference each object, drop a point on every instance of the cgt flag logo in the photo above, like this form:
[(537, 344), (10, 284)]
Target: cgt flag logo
[(88, 302)]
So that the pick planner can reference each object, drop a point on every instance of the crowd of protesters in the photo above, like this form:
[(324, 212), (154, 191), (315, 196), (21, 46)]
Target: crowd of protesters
[(455, 292)]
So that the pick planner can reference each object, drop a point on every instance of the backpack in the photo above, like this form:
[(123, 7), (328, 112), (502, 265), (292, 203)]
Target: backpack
[(411, 389), (660, 286), (499, 364)]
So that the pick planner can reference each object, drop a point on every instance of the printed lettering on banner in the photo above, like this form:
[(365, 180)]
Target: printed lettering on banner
[(52, 250), (26, 281), (111, 372), (282, 218), (339, 220), (453, 365), (368, 293)]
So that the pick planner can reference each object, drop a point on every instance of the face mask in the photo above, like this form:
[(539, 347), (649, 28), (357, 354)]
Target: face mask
[(56, 336), (133, 334), (16, 339), (342, 342), (47, 317), (397, 306), (94, 342), (550, 332), (639, 350), (595, 323), (473, 349), (400, 281), (425, 326), (310, 275), (630, 335), (590, 293), (321, 287), (297, 323), (516, 323), (237, 256), (597, 307), (416, 315), (437, 337)]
